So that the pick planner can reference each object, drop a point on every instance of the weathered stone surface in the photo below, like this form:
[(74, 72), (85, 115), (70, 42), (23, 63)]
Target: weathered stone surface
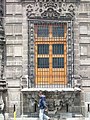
[(83, 50), (16, 29), (85, 61), (14, 98), (88, 50), (83, 30), (85, 40), (86, 82)]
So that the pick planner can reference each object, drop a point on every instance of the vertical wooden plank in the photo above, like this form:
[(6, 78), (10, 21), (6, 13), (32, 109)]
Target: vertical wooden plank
[(50, 63)]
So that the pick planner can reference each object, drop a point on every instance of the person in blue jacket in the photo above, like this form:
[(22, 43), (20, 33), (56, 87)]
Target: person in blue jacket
[(43, 107)]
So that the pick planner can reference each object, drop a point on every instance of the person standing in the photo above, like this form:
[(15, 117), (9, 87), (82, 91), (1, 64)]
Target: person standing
[(43, 107)]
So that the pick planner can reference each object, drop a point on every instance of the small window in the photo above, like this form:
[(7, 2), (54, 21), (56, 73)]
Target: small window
[(43, 49), (58, 62), (58, 48), (42, 31), (58, 31), (43, 62)]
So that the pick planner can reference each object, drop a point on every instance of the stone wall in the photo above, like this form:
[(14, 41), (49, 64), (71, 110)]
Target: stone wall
[(57, 102), (16, 30), (83, 19), (14, 53), (84, 42)]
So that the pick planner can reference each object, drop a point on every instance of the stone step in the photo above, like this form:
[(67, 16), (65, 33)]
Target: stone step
[(23, 119), (51, 119)]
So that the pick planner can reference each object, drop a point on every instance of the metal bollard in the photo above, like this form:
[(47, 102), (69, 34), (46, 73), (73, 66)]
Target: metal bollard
[(14, 113)]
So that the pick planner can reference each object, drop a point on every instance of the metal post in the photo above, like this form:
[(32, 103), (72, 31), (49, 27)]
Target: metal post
[(14, 112)]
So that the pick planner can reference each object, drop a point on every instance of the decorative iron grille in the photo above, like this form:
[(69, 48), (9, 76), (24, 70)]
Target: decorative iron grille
[(51, 55)]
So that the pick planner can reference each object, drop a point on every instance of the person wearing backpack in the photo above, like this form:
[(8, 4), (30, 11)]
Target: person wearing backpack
[(42, 107)]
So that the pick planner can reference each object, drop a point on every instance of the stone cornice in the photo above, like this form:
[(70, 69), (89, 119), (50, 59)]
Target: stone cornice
[(67, 1)]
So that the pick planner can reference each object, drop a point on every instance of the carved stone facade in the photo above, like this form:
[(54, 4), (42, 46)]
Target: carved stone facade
[(21, 15), (50, 9), (47, 12), (3, 85)]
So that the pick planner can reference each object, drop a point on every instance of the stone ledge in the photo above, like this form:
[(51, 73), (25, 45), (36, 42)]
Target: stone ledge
[(50, 89), (79, 118)]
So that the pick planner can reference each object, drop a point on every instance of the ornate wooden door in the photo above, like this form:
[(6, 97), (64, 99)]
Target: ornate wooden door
[(50, 54)]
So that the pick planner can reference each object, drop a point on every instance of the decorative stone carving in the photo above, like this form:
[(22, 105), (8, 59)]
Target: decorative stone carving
[(50, 9), (1, 107), (57, 103)]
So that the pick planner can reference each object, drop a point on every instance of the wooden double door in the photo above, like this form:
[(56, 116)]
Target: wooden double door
[(50, 54)]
